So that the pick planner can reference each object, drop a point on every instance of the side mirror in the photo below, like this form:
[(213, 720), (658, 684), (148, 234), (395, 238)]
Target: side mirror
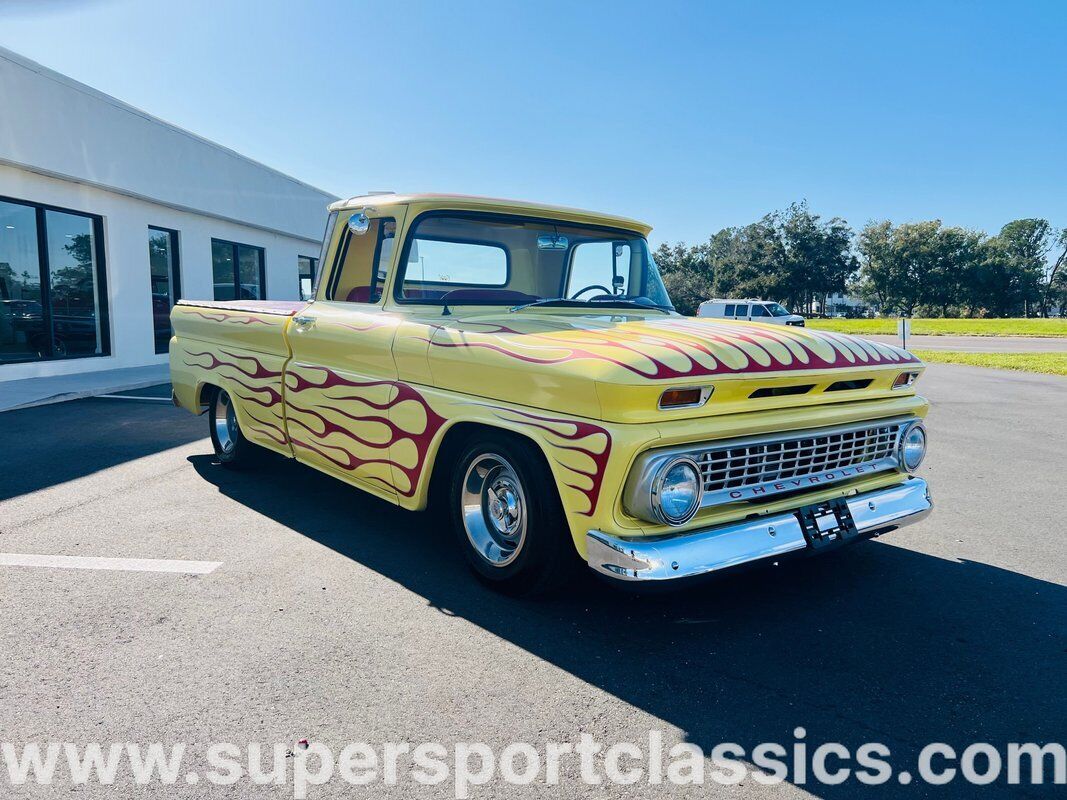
[(359, 223)]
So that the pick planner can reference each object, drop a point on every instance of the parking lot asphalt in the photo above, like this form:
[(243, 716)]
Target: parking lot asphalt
[(335, 617)]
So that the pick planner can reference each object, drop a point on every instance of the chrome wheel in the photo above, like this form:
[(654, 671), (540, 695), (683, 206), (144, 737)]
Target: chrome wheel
[(225, 422), (494, 509)]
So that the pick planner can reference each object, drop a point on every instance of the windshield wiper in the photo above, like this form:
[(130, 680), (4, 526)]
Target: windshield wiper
[(568, 302), (629, 302), (551, 301)]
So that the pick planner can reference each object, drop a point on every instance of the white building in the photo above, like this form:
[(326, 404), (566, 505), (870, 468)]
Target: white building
[(108, 215)]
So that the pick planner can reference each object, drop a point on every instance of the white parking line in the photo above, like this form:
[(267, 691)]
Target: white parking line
[(136, 397), (128, 564)]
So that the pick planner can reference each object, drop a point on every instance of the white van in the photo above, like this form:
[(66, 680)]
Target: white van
[(750, 311)]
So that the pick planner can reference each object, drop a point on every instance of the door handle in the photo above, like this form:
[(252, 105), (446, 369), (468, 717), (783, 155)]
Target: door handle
[(303, 322)]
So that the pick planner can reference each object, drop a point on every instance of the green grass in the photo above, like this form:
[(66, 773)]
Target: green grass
[(1049, 363), (946, 327)]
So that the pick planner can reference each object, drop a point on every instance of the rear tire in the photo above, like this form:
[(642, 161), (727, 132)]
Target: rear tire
[(232, 449), (507, 517)]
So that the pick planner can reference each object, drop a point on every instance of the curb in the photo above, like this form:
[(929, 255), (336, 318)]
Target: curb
[(82, 394)]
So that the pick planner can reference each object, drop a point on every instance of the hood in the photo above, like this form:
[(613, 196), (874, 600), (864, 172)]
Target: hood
[(611, 366)]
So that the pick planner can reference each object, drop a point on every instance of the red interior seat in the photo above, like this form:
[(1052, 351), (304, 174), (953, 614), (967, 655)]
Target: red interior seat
[(359, 294)]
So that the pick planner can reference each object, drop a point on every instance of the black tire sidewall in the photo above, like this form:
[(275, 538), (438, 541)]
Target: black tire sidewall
[(238, 456), (548, 552)]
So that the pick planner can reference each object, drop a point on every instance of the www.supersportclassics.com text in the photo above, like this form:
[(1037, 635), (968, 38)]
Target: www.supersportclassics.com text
[(469, 765)]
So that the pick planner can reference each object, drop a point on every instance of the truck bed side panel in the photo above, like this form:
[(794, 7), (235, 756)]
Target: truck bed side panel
[(242, 350)]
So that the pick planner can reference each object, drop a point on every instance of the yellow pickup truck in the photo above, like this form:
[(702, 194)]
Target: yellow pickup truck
[(522, 365)]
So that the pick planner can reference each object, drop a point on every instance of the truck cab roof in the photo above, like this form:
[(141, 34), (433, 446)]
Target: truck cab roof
[(461, 202)]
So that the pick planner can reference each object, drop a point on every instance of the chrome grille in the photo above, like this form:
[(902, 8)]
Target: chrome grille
[(751, 468)]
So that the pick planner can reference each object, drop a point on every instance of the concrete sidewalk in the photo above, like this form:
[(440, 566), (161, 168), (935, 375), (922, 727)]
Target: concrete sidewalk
[(27, 392)]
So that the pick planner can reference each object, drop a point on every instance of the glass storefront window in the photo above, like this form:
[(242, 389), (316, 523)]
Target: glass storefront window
[(52, 295), (72, 277), (237, 270), (22, 331), (222, 269), (166, 288), (305, 267), (250, 272)]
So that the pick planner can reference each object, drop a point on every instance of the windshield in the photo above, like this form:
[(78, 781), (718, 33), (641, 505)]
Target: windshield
[(477, 259), (777, 310)]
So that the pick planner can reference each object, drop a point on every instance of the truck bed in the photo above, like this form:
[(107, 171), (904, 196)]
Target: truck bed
[(283, 308), (240, 346)]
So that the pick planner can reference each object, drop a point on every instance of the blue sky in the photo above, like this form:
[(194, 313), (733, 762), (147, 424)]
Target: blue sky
[(691, 116)]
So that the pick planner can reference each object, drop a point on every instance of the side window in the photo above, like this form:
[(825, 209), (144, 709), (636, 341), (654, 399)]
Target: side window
[(362, 263), (742, 311), (603, 264), (386, 245), (729, 312), (759, 311)]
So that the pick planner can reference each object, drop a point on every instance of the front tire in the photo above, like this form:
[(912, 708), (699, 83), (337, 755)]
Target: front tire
[(232, 449), (507, 517)]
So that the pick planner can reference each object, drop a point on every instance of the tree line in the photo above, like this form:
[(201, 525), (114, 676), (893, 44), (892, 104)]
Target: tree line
[(924, 269)]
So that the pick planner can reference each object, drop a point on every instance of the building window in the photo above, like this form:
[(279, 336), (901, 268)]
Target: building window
[(307, 267), (53, 299), (238, 271), (164, 267)]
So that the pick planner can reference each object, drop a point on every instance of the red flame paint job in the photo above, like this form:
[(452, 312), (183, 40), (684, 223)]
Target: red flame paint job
[(220, 316), (633, 349), (581, 432), (296, 382)]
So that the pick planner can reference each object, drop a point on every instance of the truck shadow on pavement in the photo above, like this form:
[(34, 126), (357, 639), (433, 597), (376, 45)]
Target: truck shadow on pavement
[(873, 643)]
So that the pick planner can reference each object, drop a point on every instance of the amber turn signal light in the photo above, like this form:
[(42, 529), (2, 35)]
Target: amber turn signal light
[(689, 397), (905, 379)]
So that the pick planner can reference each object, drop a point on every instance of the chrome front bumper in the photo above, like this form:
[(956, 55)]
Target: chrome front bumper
[(687, 555)]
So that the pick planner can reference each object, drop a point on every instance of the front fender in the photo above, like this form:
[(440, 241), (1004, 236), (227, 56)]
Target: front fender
[(588, 459)]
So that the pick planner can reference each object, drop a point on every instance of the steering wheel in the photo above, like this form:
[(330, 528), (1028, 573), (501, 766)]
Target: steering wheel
[(605, 289)]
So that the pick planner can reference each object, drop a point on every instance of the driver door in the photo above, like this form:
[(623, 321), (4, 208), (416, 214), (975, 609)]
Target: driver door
[(340, 381)]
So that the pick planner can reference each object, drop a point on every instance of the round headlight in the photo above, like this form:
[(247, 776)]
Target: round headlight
[(912, 447), (676, 491)]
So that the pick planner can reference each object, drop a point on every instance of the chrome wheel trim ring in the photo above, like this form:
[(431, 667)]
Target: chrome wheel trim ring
[(493, 507), (225, 422)]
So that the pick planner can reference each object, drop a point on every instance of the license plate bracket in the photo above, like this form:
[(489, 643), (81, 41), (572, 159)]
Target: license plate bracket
[(827, 523)]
